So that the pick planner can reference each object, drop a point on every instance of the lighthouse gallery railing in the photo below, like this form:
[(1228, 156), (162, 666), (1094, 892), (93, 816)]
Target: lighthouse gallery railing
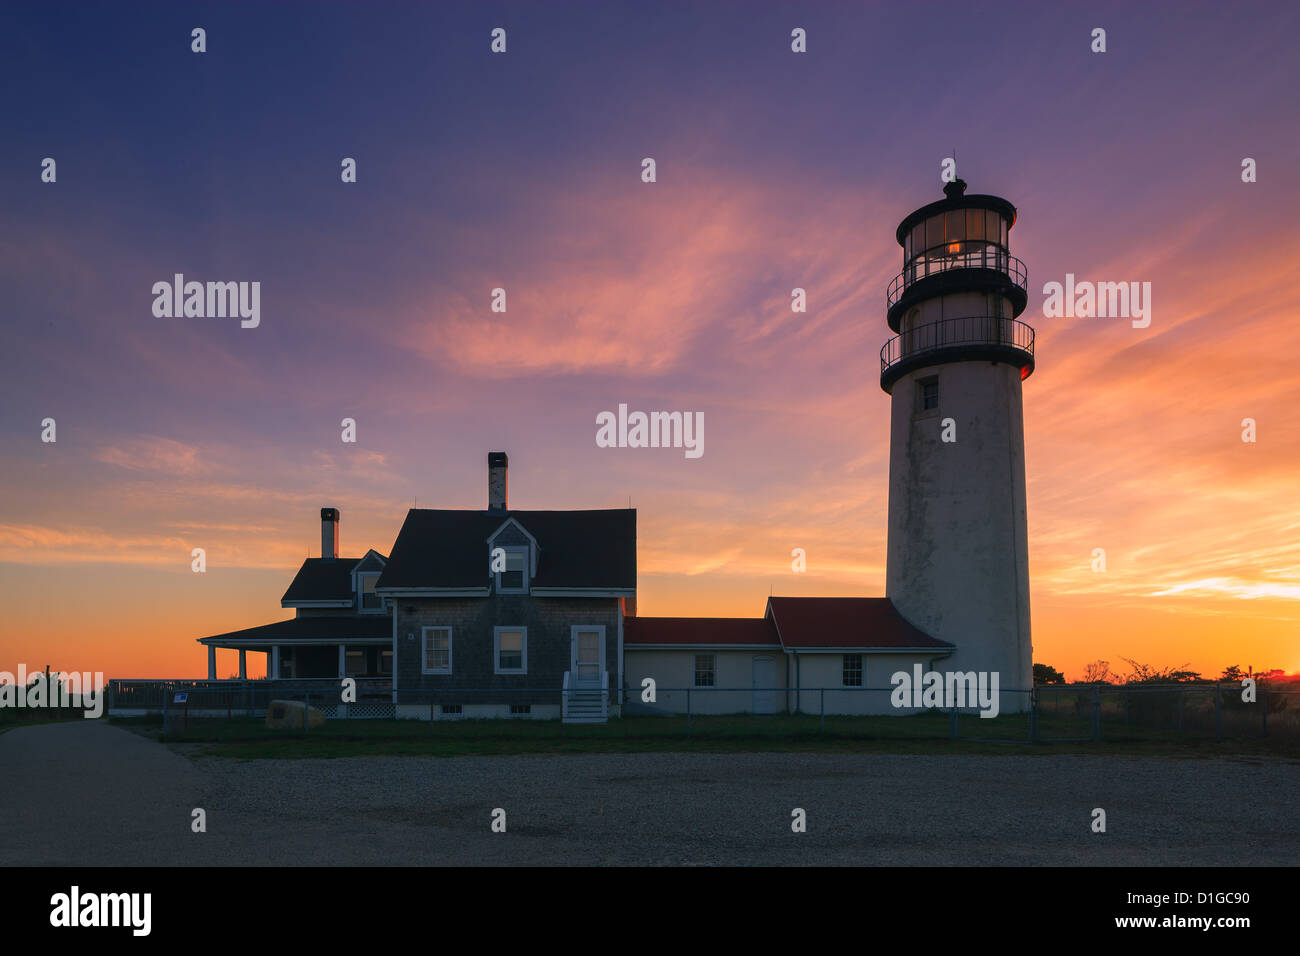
[(952, 333)]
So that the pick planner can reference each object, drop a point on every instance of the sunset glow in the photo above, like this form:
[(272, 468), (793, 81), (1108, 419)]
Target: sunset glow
[(182, 433)]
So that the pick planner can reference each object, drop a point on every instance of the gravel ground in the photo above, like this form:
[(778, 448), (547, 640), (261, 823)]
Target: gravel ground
[(87, 793)]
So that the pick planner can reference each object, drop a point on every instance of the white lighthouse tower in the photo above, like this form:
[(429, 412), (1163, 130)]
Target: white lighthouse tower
[(958, 564)]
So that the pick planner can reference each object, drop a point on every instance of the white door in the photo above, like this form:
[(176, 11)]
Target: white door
[(765, 692), (588, 656)]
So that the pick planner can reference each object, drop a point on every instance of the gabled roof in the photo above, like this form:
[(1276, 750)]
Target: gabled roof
[(322, 579), (807, 622), (332, 627), (373, 561), (700, 630), (575, 549)]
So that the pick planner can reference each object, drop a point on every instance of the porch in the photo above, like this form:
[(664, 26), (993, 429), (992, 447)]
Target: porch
[(312, 648), (144, 697)]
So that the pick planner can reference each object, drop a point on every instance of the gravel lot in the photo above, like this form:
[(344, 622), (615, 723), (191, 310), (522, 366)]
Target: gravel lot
[(86, 793)]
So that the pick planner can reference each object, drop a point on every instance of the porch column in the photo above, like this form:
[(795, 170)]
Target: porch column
[(343, 661), (274, 672), (212, 662), (243, 664)]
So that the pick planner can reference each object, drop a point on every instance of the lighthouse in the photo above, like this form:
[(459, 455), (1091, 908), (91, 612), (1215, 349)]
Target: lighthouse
[(957, 563)]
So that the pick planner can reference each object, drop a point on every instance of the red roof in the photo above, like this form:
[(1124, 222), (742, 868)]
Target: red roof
[(845, 622), (699, 630), (799, 622)]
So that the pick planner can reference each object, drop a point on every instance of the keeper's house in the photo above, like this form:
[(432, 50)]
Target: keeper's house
[(502, 612)]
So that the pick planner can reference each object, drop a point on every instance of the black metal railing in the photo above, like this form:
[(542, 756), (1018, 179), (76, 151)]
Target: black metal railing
[(958, 255), (969, 330)]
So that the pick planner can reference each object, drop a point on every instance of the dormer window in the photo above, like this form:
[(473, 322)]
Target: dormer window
[(514, 579), (368, 599)]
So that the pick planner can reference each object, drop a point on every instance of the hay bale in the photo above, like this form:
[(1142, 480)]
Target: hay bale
[(289, 714)]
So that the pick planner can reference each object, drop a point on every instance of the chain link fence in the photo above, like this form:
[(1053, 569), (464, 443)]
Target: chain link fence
[(1051, 713)]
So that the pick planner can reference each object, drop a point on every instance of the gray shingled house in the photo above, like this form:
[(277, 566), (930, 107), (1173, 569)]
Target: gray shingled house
[(503, 612), (475, 613)]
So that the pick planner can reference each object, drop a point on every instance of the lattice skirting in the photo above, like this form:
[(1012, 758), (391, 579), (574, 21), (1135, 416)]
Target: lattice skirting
[(362, 710)]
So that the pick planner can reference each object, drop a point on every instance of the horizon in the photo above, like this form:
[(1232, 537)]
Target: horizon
[(524, 172)]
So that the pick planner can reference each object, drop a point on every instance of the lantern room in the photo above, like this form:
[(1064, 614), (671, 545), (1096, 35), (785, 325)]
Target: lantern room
[(960, 291)]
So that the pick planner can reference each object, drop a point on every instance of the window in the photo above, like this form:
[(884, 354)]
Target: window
[(956, 232), (451, 710), (356, 663), (927, 394), (385, 662), (704, 669), (514, 579), (510, 650), (934, 234), (852, 670), (918, 239), (437, 651), (993, 227), (521, 708), (370, 601)]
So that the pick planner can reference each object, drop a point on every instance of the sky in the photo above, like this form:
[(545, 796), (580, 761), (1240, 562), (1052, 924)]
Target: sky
[(522, 171)]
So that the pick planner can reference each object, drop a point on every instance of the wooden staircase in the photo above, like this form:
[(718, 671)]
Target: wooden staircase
[(585, 705)]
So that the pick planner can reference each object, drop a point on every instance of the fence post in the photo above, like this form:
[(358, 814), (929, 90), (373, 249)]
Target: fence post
[(430, 711), (952, 721), (1218, 711), (306, 713), (1180, 710), (1263, 712), (165, 713), (688, 712), (1033, 717), (1096, 710), (822, 691)]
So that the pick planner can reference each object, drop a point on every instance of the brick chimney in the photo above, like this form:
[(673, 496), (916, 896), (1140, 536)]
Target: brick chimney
[(497, 466), (329, 532)]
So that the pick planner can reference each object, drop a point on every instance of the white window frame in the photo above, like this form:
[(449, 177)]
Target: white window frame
[(695, 673), (496, 650), (862, 670), (361, 594), (424, 649), (521, 550)]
